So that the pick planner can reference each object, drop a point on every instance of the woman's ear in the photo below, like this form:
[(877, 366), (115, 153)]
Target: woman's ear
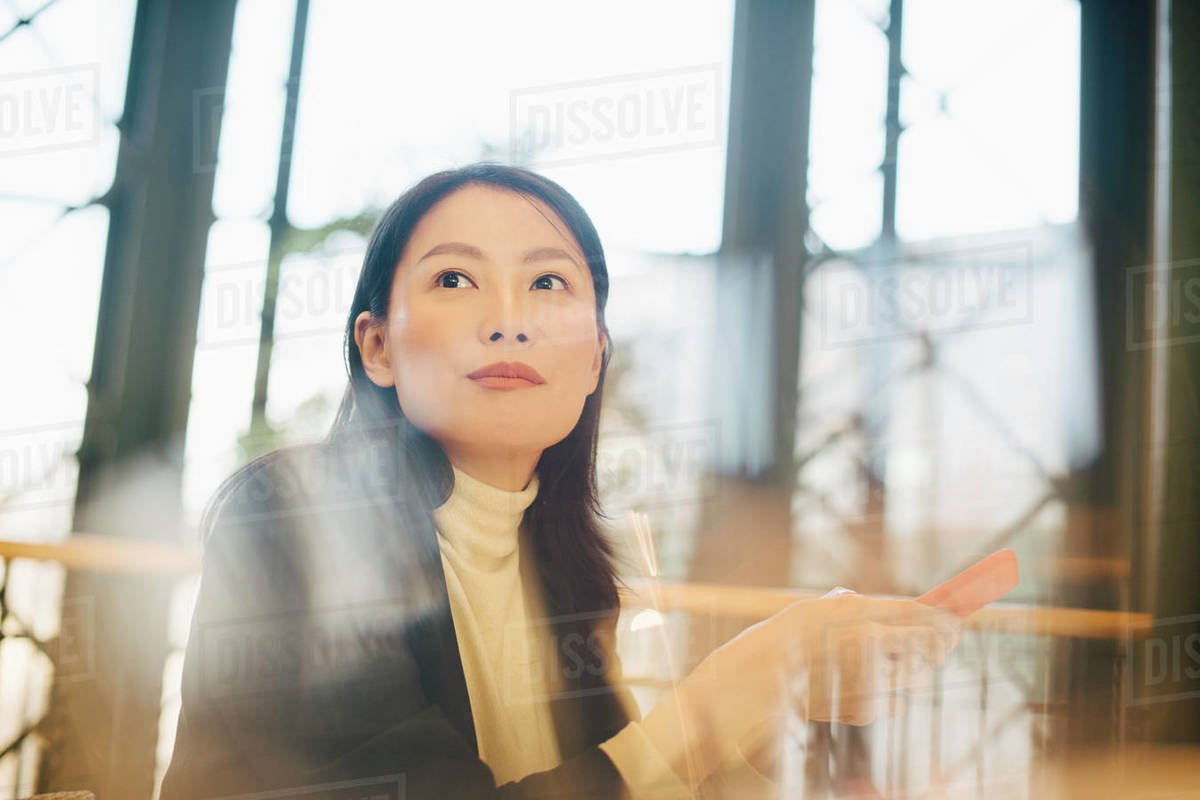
[(372, 348), (598, 361)]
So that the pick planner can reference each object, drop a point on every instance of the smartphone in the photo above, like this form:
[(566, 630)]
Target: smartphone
[(977, 585)]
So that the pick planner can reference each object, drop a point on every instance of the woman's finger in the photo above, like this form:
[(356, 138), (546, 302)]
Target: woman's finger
[(897, 704), (932, 638), (859, 682)]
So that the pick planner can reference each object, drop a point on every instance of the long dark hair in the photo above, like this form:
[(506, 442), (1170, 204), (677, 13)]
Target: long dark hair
[(575, 560)]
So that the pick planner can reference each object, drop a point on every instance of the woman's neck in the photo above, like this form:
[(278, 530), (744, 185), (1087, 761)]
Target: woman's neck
[(508, 471)]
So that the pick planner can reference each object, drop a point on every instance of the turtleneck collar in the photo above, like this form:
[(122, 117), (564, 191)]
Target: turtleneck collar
[(482, 522)]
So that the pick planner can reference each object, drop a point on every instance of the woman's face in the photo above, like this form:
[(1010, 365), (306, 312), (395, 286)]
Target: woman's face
[(488, 276)]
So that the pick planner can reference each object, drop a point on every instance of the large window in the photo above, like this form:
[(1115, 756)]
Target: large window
[(383, 103), (947, 376), (62, 89)]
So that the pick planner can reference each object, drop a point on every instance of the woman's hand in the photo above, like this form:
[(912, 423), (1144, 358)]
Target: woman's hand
[(862, 664), (835, 659)]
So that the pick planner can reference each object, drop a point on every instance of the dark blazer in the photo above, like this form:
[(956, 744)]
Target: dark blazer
[(323, 663)]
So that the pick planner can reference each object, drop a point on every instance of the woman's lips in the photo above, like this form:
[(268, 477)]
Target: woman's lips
[(507, 375), (499, 382)]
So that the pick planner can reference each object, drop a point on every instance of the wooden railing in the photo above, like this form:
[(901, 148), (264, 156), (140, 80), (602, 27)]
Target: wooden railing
[(127, 555), (759, 603), (87, 552)]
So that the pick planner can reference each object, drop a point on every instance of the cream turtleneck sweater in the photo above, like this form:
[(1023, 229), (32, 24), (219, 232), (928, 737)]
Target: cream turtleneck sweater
[(507, 657)]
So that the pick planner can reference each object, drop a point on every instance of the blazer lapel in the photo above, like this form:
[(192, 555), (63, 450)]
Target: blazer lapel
[(585, 714), (435, 647), (588, 712)]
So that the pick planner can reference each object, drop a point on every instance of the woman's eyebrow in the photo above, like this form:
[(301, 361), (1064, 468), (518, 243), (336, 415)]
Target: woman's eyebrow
[(453, 248), (470, 251), (548, 254)]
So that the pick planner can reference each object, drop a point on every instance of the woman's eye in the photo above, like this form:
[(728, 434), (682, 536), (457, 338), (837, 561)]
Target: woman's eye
[(544, 281), (457, 277)]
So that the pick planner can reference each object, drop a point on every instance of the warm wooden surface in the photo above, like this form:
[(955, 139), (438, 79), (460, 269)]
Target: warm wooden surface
[(141, 556), (87, 552), (1136, 772), (760, 603)]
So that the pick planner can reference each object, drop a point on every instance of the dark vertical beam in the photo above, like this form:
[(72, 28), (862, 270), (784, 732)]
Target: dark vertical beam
[(278, 224), (1116, 187), (103, 721), (760, 268), (877, 408), (766, 209), (746, 537), (1115, 202), (892, 126), (1177, 586)]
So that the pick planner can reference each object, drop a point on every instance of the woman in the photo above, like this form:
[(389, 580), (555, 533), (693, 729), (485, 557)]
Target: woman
[(424, 605)]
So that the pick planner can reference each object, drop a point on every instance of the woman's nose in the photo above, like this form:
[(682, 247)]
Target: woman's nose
[(506, 319)]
